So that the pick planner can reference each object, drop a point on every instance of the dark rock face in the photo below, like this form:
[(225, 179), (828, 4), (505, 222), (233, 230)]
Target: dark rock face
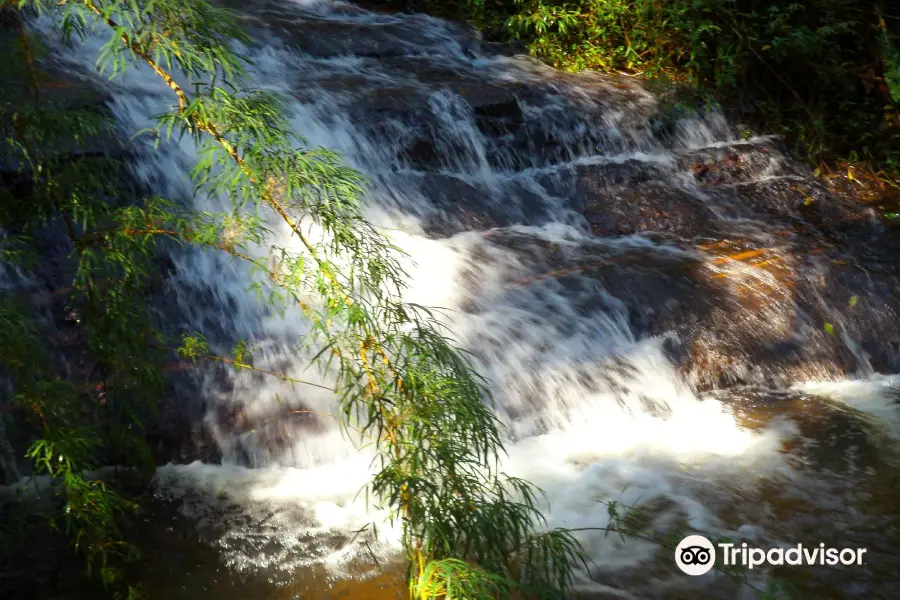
[(738, 162), (382, 37), (461, 200), (623, 204)]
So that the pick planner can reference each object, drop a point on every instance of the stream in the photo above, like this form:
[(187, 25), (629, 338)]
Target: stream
[(672, 315)]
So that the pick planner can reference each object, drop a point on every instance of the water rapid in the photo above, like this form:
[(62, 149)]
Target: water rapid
[(661, 306)]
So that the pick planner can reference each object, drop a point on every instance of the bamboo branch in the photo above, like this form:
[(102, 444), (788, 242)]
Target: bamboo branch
[(213, 131), (29, 60), (229, 148), (242, 365)]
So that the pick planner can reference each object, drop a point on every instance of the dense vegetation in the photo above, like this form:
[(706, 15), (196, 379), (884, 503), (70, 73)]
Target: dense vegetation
[(825, 73), (400, 384)]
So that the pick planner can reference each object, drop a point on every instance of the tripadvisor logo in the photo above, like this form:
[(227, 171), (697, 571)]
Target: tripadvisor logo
[(696, 555)]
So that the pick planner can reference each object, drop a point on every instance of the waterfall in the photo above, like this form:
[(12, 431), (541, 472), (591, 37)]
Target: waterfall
[(610, 261)]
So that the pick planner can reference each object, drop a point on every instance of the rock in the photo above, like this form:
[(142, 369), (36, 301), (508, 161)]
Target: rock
[(633, 197), (673, 123), (181, 433), (385, 37), (459, 208), (793, 201), (785, 314), (737, 163), (645, 207), (454, 205)]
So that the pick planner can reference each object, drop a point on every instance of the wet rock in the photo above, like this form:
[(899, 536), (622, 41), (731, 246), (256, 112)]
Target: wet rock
[(181, 434), (674, 122), (647, 207), (737, 163), (47, 290), (524, 123), (796, 201), (742, 313), (322, 38), (499, 118), (790, 314), (861, 305), (454, 205), (478, 86), (511, 48), (459, 208), (67, 89), (431, 124), (383, 37), (634, 197)]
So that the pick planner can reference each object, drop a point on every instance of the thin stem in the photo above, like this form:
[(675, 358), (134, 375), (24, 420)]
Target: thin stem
[(243, 365), (29, 60)]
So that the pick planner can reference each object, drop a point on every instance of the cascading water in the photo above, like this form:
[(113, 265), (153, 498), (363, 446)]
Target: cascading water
[(609, 261)]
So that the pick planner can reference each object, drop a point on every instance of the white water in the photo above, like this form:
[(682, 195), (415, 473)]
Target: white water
[(595, 412)]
